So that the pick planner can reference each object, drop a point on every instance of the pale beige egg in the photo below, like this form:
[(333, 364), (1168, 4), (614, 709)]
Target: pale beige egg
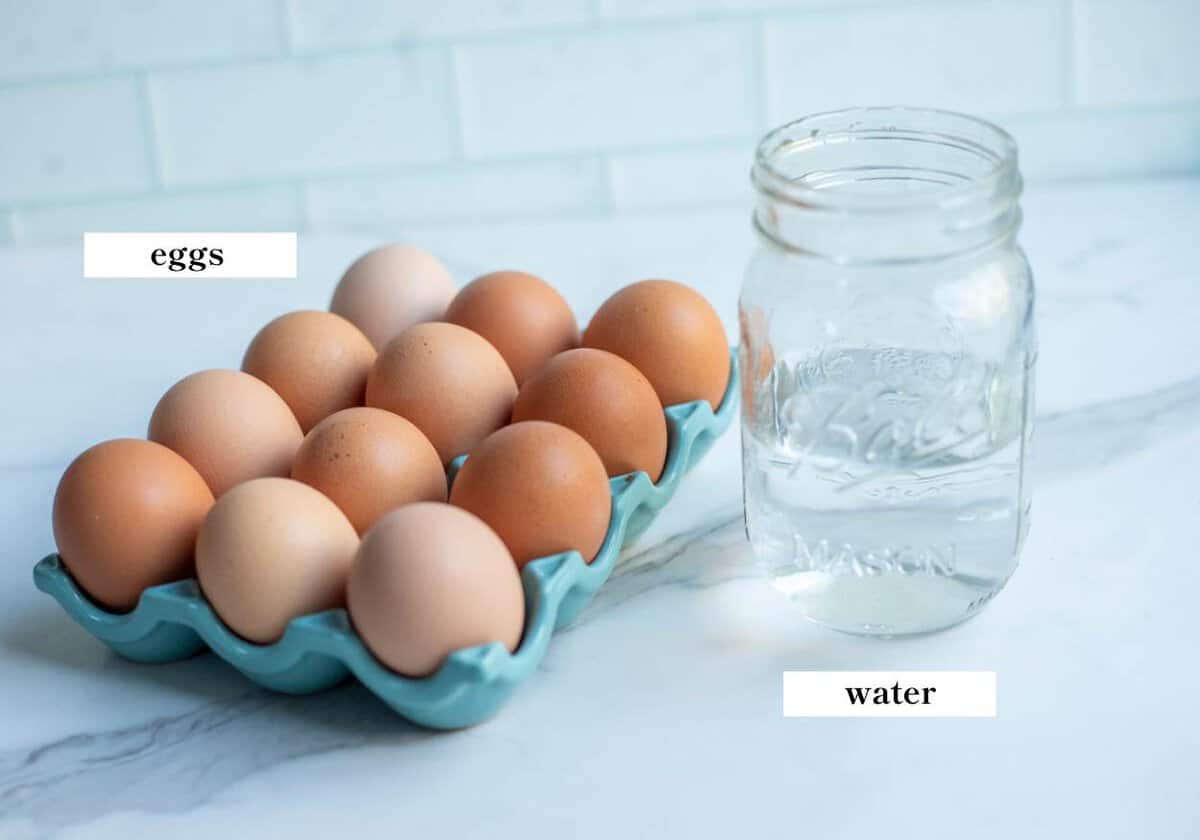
[(389, 289), (430, 579), (229, 425), (271, 550)]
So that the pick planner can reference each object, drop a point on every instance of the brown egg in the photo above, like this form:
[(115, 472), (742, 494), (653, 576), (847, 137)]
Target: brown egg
[(229, 425), (125, 518), (541, 487), (606, 400), (430, 579), (316, 361), (521, 315), (452, 384), (389, 289), (671, 334), (369, 461), (271, 550)]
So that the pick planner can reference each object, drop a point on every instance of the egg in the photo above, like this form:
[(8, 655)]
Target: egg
[(389, 289), (449, 381), (430, 579), (368, 461), (520, 314), (125, 518), (316, 361), (541, 487), (671, 334), (270, 550), (607, 401), (229, 425)]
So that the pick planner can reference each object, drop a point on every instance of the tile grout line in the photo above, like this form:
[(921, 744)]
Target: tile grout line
[(304, 205), (150, 132), (389, 226), (1068, 48), (8, 228), (608, 178), (287, 28), (454, 101)]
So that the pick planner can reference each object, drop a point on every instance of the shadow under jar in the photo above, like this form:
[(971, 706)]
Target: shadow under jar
[(887, 353)]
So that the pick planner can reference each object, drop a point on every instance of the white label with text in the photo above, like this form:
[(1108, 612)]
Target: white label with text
[(889, 694), (216, 255)]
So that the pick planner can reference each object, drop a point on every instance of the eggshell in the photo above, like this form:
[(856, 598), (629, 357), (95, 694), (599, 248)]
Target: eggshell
[(271, 550), (606, 400), (125, 518), (369, 461), (520, 314), (430, 579), (316, 361), (389, 289), (450, 382), (671, 334), (229, 425), (541, 487)]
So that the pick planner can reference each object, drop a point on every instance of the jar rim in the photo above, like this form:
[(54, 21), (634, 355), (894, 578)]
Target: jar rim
[(961, 131)]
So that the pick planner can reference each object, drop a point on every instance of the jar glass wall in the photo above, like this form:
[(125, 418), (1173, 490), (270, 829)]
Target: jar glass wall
[(887, 354)]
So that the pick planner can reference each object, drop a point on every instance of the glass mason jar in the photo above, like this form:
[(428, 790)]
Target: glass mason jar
[(887, 356)]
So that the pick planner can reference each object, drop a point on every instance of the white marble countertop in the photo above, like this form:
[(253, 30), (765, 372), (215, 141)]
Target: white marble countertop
[(658, 713)]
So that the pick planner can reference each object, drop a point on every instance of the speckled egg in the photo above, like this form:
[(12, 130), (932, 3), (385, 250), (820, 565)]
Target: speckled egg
[(449, 381), (369, 461), (316, 361)]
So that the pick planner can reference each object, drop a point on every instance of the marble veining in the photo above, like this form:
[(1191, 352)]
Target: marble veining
[(75, 778), (618, 715)]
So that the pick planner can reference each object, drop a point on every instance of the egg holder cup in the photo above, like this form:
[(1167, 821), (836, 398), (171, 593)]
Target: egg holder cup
[(174, 621)]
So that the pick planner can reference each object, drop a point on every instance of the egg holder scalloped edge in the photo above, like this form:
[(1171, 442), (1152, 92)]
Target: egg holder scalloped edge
[(174, 621)]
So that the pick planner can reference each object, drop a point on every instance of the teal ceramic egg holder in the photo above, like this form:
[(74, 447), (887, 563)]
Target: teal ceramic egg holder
[(174, 621)]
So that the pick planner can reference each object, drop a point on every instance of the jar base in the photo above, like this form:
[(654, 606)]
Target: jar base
[(892, 608)]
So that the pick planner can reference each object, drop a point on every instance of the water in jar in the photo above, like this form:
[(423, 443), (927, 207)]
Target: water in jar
[(884, 487)]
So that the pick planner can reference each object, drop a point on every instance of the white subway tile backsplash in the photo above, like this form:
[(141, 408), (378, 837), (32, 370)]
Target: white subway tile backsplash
[(48, 37), (71, 140), (129, 114), (489, 191), (256, 209), (608, 89), (685, 177), (305, 116), (319, 24), (1102, 145), (980, 57), (1137, 52)]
